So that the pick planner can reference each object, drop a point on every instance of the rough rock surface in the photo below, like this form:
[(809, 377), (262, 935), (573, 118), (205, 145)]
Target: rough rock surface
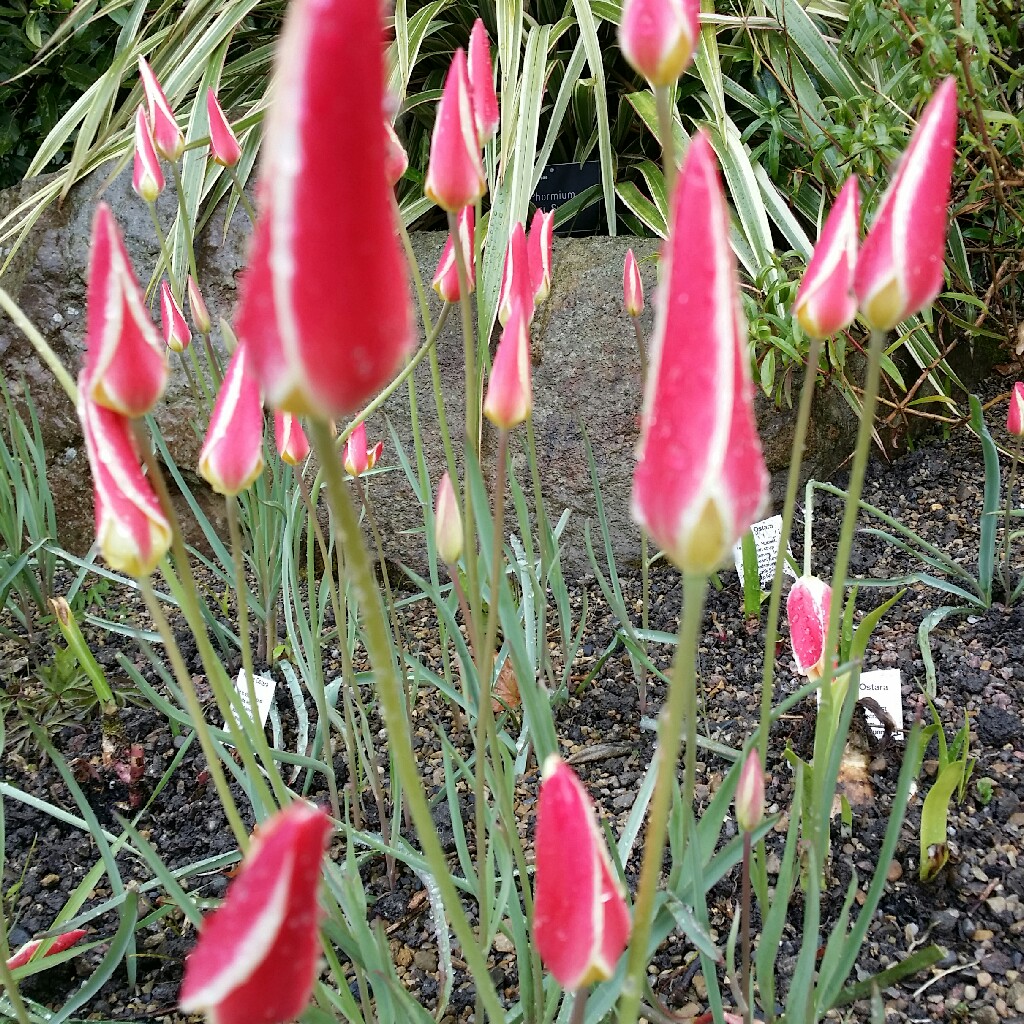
[(585, 373)]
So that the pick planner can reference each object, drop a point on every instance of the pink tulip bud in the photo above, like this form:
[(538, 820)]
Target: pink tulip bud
[(486, 115), (700, 478), (658, 37), (324, 303), (176, 333), (516, 279), (825, 302), (1015, 412), (358, 460), (232, 454), (455, 174), (147, 177), (224, 147), (900, 268), (750, 793), (509, 398), (396, 162), (126, 367), (258, 954), (807, 610), (200, 314), (167, 137), (131, 529), (292, 444), (580, 919), (446, 279), (57, 945), (447, 522), (632, 286), (538, 245)]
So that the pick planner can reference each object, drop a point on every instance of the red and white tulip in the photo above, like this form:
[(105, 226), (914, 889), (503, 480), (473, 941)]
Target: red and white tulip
[(358, 458), (509, 398), (807, 608), (486, 114), (147, 175), (632, 286), (177, 336), (224, 147), (446, 278), (291, 440), (538, 245), (167, 136), (658, 37)]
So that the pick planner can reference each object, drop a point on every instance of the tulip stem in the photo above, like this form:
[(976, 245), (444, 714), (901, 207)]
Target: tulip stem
[(821, 800), (680, 711), (40, 344), (389, 690), (253, 726), (748, 995), (803, 418), (242, 197), (195, 712), (578, 1013), (663, 103), (319, 696), (1008, 580)]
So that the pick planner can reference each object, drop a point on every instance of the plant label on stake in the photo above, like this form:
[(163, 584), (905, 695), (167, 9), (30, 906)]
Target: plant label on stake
[(767, 537), (885, 686), (264, 687)]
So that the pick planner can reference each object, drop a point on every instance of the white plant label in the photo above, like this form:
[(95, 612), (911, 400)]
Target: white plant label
[(885, 686), (767, 537), (264, 687)]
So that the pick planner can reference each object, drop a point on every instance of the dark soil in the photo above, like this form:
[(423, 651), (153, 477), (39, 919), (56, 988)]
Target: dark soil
[(974, 909)]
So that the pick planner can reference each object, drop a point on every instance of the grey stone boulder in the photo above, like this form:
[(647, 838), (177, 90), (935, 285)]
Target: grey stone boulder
[(586, 374)]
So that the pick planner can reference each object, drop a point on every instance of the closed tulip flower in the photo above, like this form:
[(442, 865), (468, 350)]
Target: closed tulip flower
[(200, 314), (147, 176), (131, 529), (580, 919), (397, 160), (825, 302), (658, 37), (292, 443), (224, 147), (446, 278), (509, 398), (258, 954), (167, 136), (232, 454), (900, 267), (516, 279), (807, 611), (447, 522), (700, 478), (358, 458), (1015, 412), (632, 286), (486, 114), (455, 173), (324, 303), (125, 362), (176, 333), (538, 246), (57, 945), (750, 793)]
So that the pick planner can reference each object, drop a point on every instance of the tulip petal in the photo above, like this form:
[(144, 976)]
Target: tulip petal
[(632, 285), (125, 364), (224, 145), (658, 37), (147, 176), (167, 136), (509, 398), (486, 114), (900, 268), (256, 959), (807, 608), (700, 477), (1015, 411), (324, 302)]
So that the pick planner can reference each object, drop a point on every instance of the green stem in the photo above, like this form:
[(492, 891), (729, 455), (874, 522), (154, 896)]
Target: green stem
[(242, 197), (821, 802), (1007, 521), (40, 344), (319, 695), (663, 103), (745, 906), (186, 226), (803, 418), (680, 710), (195, 712), (645, 594), (389, 690), (165, 254), (242, 596)]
